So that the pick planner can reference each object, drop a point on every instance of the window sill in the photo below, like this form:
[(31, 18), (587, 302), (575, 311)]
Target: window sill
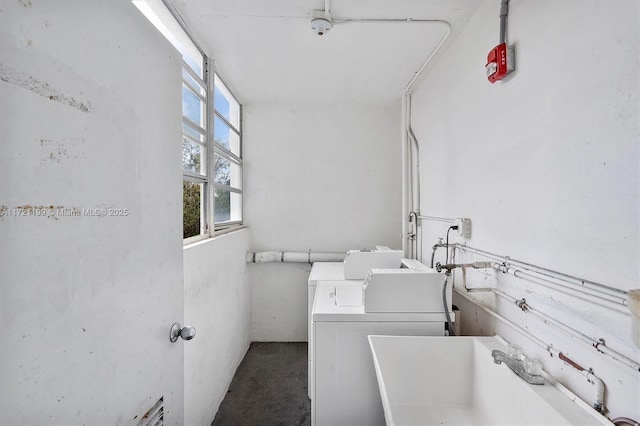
[(203, 239)]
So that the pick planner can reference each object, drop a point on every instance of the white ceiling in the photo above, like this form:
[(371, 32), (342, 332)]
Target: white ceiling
[(266, 51)]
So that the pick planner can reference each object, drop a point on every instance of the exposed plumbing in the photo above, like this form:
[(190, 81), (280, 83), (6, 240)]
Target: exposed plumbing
[(620, 421), (597, 344), (586, 289), (599, 403), (583, 285), (410, 168), (293, 256), (449, 267)]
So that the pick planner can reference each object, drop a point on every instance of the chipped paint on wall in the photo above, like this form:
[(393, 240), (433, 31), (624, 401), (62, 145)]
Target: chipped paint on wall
[(25, 81), (58, 151)]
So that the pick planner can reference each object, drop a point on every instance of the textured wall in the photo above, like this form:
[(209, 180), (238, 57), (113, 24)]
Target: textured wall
[(546, 166), (322, 178), (217, 302), (87, 301)]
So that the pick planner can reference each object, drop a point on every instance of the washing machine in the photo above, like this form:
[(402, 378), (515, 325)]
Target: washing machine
[(353, 270), (320, 271), (343, 376)]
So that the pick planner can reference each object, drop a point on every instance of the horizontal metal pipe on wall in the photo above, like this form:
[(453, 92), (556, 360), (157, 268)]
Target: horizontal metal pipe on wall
[(594, 343), (613, 302), (576, 283), (600, 387), (603, 295), (437, 219), (293, 257)]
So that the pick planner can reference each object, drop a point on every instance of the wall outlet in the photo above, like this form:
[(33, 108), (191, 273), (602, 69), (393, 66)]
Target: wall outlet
[(464, 227)]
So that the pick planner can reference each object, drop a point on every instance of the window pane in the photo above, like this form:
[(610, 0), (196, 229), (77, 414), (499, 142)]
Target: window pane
[(192, 107), (225, 103), (228, 172), (195, 84), (194, 59), (225, 136), (192, 212), (192, 133), (228, 206), (192, 156)]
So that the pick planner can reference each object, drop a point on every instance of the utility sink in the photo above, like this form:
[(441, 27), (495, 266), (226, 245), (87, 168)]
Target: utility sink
[(454, 381)]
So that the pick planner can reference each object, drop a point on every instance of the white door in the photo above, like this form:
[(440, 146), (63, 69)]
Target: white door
[(90, 219)]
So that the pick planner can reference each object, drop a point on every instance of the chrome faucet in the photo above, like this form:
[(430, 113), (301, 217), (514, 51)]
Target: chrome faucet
[(517, 366)]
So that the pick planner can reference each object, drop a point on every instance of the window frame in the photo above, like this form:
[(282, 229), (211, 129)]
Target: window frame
[(209, 227), (227, 154)]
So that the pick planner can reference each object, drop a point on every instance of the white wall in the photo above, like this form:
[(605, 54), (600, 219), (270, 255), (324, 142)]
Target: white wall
[(321, 178), (546, 166), (217, 305), (90, 107)]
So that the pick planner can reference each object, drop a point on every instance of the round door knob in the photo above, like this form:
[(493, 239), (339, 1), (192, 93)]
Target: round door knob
[(185, 333)]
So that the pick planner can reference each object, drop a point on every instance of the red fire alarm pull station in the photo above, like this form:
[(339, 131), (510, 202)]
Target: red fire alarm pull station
[(500, 60)]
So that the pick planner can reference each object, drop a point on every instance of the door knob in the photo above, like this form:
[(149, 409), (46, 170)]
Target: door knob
[(186, 333)]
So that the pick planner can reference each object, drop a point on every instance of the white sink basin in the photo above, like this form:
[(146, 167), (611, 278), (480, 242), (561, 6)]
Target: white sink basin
[(454, 381)]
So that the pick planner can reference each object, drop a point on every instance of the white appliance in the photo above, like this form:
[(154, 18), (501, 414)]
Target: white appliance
[(405, 290), (358, 263), (344, 380), (320, 271), (354, 268)]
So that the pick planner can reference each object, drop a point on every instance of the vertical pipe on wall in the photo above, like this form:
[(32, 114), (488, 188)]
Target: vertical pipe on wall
[(410, 154), (405, 186)]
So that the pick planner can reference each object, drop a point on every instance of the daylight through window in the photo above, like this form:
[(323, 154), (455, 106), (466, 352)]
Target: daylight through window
[(211, 135)]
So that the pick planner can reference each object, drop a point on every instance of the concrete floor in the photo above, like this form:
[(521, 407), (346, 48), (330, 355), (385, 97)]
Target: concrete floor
[(269, 388)]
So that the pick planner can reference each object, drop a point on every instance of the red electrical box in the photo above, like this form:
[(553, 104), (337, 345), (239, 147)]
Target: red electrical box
[(499, 62)]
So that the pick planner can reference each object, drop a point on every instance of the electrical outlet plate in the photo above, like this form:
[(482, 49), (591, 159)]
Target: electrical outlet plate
[(464, 227)]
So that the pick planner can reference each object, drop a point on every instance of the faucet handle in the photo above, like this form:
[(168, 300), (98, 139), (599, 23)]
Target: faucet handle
[(514, 351), (532, 366)]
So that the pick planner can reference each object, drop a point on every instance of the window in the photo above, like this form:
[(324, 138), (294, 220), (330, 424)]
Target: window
[(227, 157), (194, 149), (211, 134)]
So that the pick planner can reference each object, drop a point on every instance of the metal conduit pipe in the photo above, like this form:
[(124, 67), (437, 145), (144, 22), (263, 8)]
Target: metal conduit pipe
[(405, 181), (594, 343), (611, 302), (504, 11), (293, 257), (549, 273), (410, 162), (598, 404), (589, 294), (438, 219)]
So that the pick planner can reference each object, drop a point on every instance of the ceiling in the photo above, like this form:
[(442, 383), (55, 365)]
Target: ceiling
[(267, 52)]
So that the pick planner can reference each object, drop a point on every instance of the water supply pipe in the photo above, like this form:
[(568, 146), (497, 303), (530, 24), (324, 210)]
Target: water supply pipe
[(587, 290), (600, 388), (585, 293), (597, 344), (575, 283), (293, 257)]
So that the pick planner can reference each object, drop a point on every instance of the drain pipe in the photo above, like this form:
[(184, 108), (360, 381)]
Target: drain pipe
[(293, 257)]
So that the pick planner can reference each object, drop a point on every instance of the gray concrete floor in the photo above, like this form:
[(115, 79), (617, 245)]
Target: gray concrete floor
[(269, 388)]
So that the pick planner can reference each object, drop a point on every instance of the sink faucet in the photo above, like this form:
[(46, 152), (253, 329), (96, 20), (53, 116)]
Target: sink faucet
[(517, 366)]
